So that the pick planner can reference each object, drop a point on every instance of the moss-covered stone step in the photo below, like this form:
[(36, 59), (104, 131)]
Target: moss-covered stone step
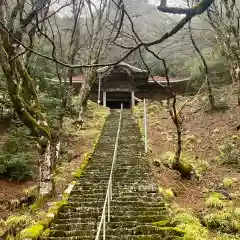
[(126, 168), (140, 219), (119, 164), (125, 180), (139, 198), (138, 230), (76, 220), (81, 215), (125, 237), (74, 226), (91, 194), (76, 203), (114, 214), (113, 208), (93, 225), (118, 175)]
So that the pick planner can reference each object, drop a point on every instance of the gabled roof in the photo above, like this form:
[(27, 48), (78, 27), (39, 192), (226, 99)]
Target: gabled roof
[(122, 64)]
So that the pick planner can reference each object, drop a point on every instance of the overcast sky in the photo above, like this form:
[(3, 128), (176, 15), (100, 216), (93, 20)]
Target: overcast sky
[(155, 2), (170, 2)]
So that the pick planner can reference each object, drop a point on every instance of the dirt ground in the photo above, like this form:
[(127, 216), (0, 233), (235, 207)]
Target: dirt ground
[(207, 131)]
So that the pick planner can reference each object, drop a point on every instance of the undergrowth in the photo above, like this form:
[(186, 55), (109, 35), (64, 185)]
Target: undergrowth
[(18, 155)]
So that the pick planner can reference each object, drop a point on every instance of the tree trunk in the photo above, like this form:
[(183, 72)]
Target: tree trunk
[(46, 161), (86, 87), (235, 75)]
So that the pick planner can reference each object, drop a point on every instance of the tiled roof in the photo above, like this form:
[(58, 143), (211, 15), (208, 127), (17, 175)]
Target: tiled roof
[(161, 79)]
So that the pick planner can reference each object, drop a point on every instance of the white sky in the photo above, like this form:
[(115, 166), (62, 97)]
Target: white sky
[(175, 3), (170, 2)]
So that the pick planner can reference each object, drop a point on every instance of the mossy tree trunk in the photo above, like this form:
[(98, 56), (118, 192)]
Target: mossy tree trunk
[(23, 94)]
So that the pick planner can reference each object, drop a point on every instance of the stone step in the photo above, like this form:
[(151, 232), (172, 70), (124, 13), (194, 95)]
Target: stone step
[(115, 203), (117, 181), (119, 170), (138, 230), (76, 220), (113, 208), (125, 237), (114, 214), (117, 187), (117, 173), (93, 198), (85, 218), (93, 225), (117, 177)]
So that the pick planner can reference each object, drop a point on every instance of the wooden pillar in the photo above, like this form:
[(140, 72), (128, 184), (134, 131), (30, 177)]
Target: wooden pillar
[(104, 99), (133, 99)]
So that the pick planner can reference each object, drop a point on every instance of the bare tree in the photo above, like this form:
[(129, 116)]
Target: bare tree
[(224, 17)]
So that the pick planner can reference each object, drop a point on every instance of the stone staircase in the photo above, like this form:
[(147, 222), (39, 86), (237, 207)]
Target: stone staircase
[(136, 203)]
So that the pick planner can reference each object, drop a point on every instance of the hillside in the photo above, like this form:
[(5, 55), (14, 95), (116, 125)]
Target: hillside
[(210, 142)]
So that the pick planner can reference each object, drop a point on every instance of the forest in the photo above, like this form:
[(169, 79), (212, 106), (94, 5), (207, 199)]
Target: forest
[(49, 129)]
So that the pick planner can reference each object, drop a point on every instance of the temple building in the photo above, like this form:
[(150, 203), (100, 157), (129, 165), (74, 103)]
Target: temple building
[(127, 84)]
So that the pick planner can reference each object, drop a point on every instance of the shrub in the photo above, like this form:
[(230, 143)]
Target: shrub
[(19, 166), (16, 223), (226, 237), (215, 200), (227, 182), (226, 220), (190, 225), (229, 152), (167, 193), (18, 159)]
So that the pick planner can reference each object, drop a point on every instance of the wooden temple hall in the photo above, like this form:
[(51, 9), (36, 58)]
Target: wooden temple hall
[(129, 85)]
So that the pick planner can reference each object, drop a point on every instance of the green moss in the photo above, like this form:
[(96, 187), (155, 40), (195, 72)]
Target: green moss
[(167, 193), (186, 225), (215, 200), (10, 237), (162, 223), (33, 232), (226, 220), (14, 224), (3, 227), (173, 231), (187, 163), (58, 205), (226, 237), (236, 212), (193, 230), (39, 203), (46, 232), (227, 182), (31, 191), (185, 168), (87, 157), (83, 165)]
